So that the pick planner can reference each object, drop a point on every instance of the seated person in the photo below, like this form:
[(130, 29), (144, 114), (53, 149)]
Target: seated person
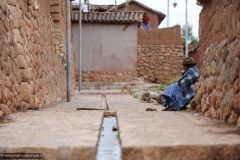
[(178, 95)]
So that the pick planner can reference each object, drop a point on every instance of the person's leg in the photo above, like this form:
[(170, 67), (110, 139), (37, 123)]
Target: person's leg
[(145, 25), (165, 100), (149, 26)]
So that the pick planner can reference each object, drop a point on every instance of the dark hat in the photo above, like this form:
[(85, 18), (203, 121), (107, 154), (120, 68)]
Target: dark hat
[(188, 61)]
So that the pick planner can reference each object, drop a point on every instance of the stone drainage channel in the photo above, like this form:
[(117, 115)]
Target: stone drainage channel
[(109, 147)]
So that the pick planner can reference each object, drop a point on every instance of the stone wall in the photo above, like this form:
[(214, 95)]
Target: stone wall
[(107, 76), (32, 71), (219, 20), (58, 16), (166, 36), (218, 94), (160, 54)]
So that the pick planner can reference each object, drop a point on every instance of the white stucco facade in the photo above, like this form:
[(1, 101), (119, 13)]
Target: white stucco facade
[(107, 47)]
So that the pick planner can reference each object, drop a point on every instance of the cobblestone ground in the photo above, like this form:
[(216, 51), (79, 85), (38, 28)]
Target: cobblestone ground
[(62, 132)]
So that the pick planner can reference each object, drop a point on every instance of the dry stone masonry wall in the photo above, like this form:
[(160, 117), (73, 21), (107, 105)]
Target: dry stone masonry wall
[(219, 20), (218, 94), (159, 63), (32, 71), (160, 54)]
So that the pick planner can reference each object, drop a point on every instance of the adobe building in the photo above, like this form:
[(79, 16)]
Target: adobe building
[(155, 16), (158, 53), (109, 40)]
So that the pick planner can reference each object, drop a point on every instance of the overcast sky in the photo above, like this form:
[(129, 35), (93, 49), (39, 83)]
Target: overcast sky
[(177, 15)]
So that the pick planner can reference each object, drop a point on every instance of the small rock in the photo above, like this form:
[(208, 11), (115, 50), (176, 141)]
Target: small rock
[(114, 129), (21, 62), (151, 109), (26, 92)]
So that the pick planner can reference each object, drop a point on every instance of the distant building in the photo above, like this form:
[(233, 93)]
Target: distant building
[(155, 16), (110, 44)]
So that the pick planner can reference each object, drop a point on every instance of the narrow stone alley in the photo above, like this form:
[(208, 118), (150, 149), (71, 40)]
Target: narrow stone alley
[(60, 131), (115, 55)]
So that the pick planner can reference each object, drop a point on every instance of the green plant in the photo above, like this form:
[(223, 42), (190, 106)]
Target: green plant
[(191, 38)]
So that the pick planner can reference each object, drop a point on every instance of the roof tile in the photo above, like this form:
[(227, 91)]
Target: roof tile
[(109, 17)]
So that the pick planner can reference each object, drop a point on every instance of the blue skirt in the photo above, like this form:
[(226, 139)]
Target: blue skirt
[(173, 98)]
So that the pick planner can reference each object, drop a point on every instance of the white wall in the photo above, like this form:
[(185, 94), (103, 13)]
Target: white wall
[(107, 47)]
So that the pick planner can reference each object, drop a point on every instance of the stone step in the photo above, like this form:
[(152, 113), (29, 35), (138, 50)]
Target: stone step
[(100, 92), (103, 85)]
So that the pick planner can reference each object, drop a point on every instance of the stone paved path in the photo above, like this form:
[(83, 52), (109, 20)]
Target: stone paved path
[(58, 131), (167, 135), (61, 132)]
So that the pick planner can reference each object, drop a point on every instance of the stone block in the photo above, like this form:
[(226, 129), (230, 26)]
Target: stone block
[(27, 75), (26, 92), (5, 111), (238, 122), (21, 62)]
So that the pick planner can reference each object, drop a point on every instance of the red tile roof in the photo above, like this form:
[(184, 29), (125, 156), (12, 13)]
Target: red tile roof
[(160, 14), (108, 17), (97, 8)]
